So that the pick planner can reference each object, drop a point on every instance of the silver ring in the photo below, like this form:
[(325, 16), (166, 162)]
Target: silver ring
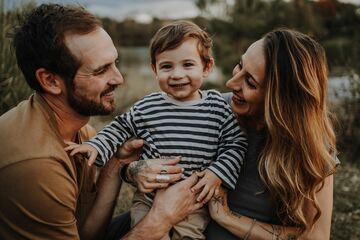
[(161, 178), (163, 170)]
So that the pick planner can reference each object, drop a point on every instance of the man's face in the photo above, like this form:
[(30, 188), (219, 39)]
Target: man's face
[(94, 83)]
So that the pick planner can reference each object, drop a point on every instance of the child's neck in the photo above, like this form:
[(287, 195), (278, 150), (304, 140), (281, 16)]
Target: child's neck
[(198, 96)]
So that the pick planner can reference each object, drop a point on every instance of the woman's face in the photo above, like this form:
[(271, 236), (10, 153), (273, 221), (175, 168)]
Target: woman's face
[(248, 83)]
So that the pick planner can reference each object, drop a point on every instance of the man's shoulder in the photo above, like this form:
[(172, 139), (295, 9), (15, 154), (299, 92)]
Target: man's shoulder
[(87, 132), (28, 132)]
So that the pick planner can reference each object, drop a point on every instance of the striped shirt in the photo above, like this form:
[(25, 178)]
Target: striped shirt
[(203, 132)]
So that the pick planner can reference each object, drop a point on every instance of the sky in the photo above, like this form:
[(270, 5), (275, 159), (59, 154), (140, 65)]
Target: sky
[(140, 10)]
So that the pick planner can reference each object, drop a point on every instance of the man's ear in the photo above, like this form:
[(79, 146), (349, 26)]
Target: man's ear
[(208, 67), (50, 82)]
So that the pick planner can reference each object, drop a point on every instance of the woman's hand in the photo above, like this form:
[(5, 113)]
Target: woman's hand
[(218, 206), (152, 174)]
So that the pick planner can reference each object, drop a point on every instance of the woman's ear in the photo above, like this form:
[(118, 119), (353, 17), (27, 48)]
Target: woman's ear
[(50, 82), (208, 67)]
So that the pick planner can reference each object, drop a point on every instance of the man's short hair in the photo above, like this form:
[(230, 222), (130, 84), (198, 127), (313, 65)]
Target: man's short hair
[(172, 35), (39, 40)]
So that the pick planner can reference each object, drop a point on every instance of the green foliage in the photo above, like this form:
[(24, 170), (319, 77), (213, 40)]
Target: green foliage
[(131, 33), (348, 113), (13, 87)]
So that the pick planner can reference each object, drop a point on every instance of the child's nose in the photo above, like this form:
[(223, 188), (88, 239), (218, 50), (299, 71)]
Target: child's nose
[(177, 73)]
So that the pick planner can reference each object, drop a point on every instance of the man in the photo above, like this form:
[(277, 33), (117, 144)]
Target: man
[(70, 62)]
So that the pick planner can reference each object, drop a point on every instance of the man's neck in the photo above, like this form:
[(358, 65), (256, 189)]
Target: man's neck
[(69, 122)]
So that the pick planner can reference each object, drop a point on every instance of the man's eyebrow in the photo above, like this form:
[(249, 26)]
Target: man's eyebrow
[(97, 69), (101, 67)]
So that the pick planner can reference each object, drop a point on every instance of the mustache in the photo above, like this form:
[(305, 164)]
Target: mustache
[(109, 89)]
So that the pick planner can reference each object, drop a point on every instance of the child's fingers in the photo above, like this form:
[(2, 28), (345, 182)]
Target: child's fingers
[(69, 142), (71, 147), (92, 159), (198, 186), (200, 174), (203, 193), (217, 191), (76, 150), (209, 196)]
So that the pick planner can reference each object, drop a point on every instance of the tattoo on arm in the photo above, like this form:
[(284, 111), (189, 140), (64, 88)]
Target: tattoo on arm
[(136, 168), (218, 199), (291, 237), (276, 232)]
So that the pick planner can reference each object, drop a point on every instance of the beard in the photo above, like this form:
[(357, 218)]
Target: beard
[(87, 107)]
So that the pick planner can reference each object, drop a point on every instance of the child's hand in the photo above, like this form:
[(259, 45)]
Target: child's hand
[(210, 184), (90, 151)]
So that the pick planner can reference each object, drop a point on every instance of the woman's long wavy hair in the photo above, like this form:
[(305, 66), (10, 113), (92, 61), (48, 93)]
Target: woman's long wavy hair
[(298, 154)]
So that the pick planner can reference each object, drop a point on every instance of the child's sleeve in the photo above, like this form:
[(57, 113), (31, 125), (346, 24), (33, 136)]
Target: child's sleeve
[(231, 152), (113, 135)]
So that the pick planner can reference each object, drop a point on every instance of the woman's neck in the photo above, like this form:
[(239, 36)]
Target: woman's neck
[(250, 122)]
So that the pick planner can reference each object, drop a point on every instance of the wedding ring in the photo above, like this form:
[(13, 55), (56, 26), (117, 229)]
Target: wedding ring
[(161, 178), (163, 170)]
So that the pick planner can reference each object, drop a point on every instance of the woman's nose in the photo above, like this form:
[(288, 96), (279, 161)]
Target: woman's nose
[(234, 83)]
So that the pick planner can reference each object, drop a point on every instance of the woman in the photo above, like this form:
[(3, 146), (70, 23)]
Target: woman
[(285, 190), (279, 95)]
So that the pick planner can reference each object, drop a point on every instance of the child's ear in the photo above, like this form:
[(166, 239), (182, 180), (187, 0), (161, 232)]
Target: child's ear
[(208, 67), (153, 67), (50, 82)]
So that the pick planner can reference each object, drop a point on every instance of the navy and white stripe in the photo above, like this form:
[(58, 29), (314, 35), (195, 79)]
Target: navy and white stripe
[(204, 133)]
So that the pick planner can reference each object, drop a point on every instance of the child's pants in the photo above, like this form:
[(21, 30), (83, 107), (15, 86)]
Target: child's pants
[(192, 227)]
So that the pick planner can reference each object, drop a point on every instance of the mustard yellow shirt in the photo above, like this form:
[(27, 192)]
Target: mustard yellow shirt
[(44, 194)]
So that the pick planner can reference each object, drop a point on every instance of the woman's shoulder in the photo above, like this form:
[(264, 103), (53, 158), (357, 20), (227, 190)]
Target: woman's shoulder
[(227, 96)]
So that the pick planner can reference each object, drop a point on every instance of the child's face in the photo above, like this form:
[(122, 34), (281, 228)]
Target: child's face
[(180, 71)]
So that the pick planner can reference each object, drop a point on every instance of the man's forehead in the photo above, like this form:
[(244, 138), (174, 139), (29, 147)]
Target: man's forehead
[(94, 47)]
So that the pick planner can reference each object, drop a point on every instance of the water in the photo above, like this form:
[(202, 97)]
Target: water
[(135, 66)]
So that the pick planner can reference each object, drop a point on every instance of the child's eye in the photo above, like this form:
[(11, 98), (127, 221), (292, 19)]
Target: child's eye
[(188, 64), (165, 66)]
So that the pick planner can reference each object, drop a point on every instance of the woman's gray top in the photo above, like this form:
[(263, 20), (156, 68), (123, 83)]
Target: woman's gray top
[(249, 197)]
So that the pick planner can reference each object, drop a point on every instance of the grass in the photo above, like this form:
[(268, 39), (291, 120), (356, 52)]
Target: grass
[(346, 214)]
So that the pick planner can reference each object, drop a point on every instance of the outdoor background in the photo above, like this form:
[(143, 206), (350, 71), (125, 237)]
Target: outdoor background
[(233, 24)]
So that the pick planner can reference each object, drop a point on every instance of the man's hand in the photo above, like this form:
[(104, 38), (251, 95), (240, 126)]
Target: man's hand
[(144, 173), (129, 152), (177, 201), (170, 206)]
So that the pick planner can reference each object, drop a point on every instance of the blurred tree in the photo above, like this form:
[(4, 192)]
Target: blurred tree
[(13, 88)]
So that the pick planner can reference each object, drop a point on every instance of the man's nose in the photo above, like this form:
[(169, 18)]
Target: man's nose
[(117, 78)]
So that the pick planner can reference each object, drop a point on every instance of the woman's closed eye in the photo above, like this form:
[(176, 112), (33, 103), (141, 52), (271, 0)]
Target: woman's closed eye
[(248, 78), (250, 82)]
